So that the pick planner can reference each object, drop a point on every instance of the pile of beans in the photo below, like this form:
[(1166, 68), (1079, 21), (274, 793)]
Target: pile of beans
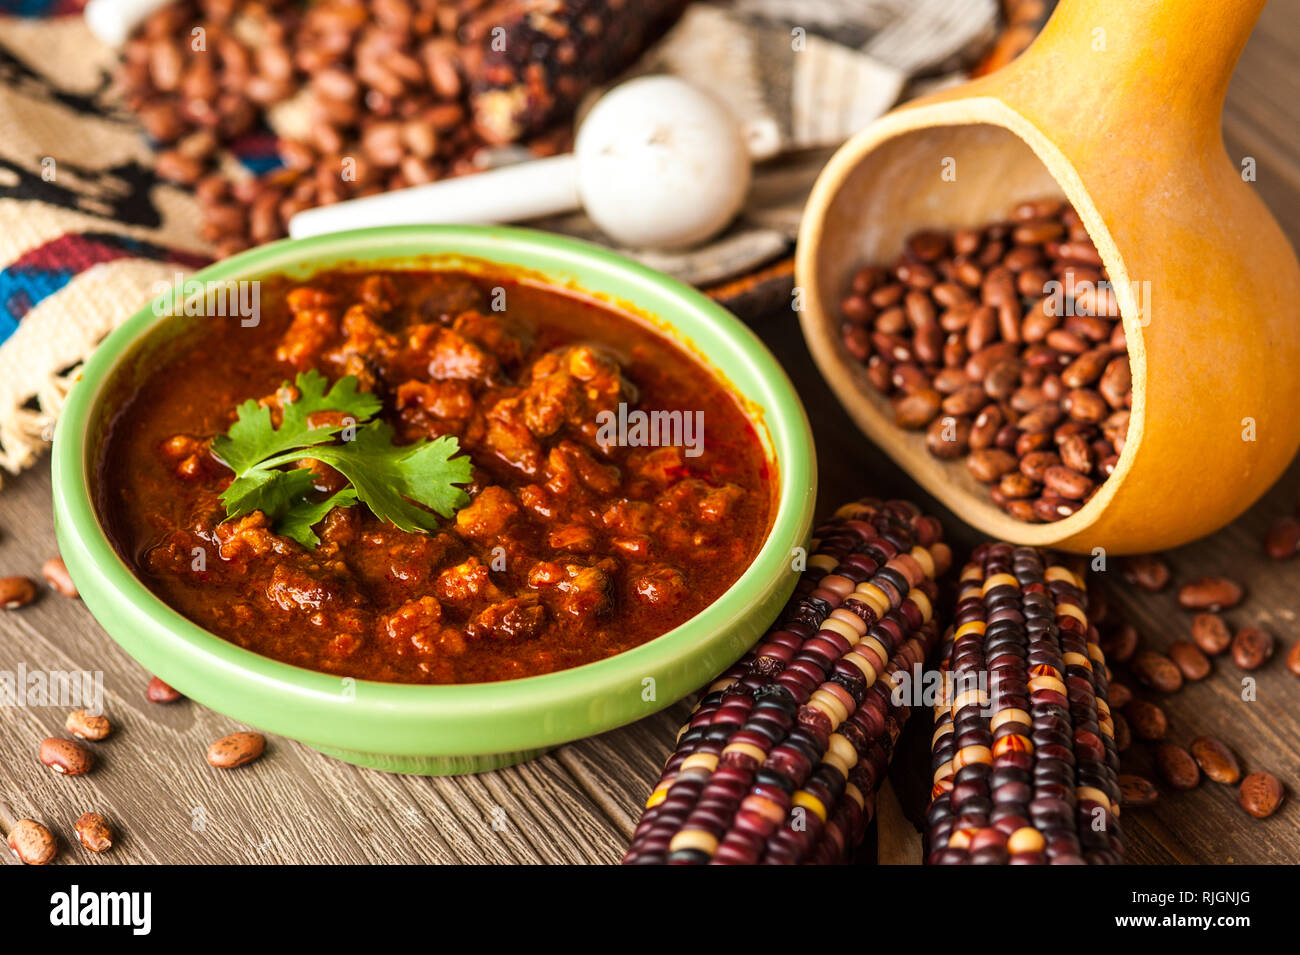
[(1004, 343), (367, 97), (1160, 674)]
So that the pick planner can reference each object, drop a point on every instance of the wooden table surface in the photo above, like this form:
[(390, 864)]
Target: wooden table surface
[(580, 803)]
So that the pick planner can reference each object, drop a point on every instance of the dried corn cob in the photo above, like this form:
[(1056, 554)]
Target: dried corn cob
[(531, 61), (804, 614), (756, 737), (1024, 758), (852, 769)]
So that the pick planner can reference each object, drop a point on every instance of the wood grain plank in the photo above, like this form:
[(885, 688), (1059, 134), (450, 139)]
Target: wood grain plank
[(618, 769)]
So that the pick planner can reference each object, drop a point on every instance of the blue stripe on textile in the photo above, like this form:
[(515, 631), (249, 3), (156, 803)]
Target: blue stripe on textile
[(22, 288)]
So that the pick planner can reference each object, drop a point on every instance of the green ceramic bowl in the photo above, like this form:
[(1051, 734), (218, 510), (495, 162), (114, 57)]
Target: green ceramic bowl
[(441, 729)]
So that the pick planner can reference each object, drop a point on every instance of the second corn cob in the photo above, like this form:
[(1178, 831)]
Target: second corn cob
[(1024, 757)]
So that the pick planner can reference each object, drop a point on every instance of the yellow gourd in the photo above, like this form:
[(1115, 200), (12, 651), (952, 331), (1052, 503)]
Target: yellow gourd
[(1116, 107)]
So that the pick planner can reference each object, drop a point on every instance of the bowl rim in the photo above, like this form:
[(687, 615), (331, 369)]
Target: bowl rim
[(497, 717)]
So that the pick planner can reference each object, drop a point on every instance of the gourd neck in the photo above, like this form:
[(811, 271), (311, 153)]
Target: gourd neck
[(1181, 53)]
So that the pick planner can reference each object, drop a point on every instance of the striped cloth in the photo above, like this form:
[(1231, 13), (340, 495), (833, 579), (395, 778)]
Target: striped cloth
[(86, 229)]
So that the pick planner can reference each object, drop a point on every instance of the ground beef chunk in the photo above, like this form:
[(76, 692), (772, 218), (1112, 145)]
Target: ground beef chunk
[(488, 515), (518, 618)]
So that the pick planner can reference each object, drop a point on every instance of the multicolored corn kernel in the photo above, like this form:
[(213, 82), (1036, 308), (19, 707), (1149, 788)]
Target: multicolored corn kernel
[(800, 723), (1026, 770)]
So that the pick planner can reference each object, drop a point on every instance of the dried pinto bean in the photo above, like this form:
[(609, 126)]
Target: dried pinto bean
[(1085, 406), (1116, 382), (1216, 760), (1211, 633), (1283, 540), (1020, 508), (967, 400), (985, 359), (950, 380), (857, 310), (1188, 657), (16, 592), (1066, 343), (858, 344), (84, 725), (1120, 695), (1086, 369), (1252, 647), (917, 409), (1027, 398), (56, 575), (1053, 507), (1043, 418), (1146, 571), (1067, 483), (1210, 593), (948, 437), (984, 429), (909, 378), (1137, 791), (66, 757), (989, 464), (159, 692), (1028, 443), (175, 166), (1036, 465), (94, 832), (1032, 209), (1176, 766), (32, 843), (1147, 720), (1157, 671), (1121, 643), (916, 275), (236, 749), (1076, 454), (1261, 794), (1000, 383), (1016, 485), (1123, 735)]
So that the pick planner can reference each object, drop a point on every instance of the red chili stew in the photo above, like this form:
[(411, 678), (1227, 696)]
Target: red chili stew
[(570, 550)]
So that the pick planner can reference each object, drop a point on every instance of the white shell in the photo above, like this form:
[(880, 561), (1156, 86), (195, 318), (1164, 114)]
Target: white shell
[(661, 164)]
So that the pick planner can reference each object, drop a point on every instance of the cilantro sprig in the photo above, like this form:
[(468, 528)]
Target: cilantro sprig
[(409, 485)]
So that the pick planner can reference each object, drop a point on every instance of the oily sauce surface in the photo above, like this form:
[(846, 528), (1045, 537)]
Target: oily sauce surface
[(571, 549)]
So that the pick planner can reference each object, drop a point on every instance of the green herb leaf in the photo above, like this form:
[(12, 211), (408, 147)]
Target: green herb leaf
[(283, 496), (271, 492), (388, 477), (253, 438), (304, 515), (397, 483)]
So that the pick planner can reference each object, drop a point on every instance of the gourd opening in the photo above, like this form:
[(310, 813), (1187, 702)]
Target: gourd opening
[(967, 303)]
